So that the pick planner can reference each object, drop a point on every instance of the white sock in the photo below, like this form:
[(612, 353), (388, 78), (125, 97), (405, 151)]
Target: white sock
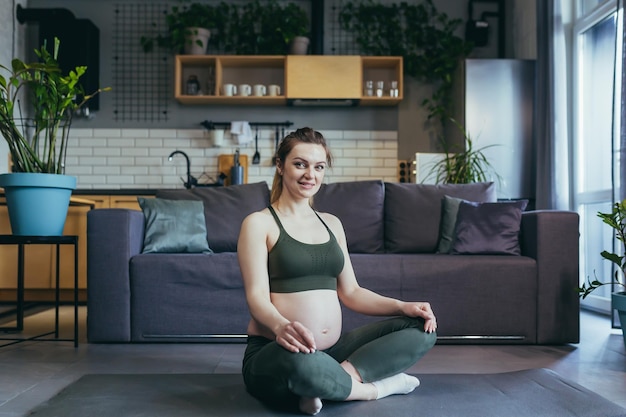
[(310, 405), (396, 384)]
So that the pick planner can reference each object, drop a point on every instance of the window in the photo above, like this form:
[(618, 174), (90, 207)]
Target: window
[(595, 122)]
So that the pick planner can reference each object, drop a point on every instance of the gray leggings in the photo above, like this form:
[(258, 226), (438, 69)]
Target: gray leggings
[(377, 350)]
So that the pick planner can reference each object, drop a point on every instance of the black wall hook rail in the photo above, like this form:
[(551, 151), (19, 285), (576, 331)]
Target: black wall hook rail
[(209, 125)]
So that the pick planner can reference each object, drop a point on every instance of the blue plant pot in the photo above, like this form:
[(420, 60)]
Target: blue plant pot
[(619, 303), (37, 203)]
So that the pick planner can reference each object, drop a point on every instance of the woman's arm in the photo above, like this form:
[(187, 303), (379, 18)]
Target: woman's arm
[(252, 250), (364, 301)]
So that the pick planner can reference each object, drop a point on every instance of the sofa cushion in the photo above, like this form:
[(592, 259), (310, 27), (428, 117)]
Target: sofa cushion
[(482, 295), (413, 212), (224, 209), (359, 205), (173, 226), (449, 210), (488, 228)]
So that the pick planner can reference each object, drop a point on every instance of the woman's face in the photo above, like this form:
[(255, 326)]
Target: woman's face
[(303, 170)]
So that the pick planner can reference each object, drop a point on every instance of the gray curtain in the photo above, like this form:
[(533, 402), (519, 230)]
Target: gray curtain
[(621, 191), (552, 151)]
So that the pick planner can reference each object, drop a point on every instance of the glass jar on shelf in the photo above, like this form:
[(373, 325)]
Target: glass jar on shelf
[(193, 86)]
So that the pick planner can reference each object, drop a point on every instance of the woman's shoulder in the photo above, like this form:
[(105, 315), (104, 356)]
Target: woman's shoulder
[(257, 217), (329, 217), (332, 221)]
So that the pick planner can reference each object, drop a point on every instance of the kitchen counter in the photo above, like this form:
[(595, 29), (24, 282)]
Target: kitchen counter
[(116, 191), (133, 191)]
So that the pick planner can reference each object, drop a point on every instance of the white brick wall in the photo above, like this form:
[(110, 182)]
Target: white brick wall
[(138, 158)]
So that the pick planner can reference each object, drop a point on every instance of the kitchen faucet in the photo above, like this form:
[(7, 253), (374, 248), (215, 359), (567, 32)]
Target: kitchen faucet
[(191, 180)]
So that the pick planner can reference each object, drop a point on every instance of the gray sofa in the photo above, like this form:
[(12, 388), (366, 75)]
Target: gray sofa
[(393, 233)]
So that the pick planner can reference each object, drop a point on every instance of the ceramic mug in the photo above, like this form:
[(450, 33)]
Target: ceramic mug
[(259, 90), (229, 89), (380, 86), (273, 90), (244, 89)]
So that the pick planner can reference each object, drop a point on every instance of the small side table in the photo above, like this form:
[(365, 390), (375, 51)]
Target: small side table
[(21, 241)]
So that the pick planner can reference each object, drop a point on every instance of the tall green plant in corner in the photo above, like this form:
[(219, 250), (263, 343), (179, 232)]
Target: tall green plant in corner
[(422, 35)]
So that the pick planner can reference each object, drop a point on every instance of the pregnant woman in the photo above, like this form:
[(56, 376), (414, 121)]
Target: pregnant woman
[(296, 272)]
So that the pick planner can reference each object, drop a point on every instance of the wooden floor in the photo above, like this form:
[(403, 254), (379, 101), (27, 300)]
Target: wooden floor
[(32, 372)]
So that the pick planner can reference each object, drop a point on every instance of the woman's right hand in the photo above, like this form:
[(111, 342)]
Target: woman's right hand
[(295, 337)]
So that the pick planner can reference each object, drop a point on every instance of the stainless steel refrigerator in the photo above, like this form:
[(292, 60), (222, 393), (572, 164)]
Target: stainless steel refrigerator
[(494, 99)]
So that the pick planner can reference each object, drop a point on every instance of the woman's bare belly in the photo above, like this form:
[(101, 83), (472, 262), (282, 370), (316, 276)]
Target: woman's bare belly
[(317, 310)]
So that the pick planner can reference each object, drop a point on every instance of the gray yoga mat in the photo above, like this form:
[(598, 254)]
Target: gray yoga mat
[(536, 392)]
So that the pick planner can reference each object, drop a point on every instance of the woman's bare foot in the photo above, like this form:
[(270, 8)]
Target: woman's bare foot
[(310, 405)]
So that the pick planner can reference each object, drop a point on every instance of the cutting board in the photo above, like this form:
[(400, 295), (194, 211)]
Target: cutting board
[(225, 163)]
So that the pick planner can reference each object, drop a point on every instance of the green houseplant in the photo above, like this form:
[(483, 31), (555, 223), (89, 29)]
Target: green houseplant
[(295, 29), (37, 102), (462, 164), (262, 27), (616, 219), (189, 28)]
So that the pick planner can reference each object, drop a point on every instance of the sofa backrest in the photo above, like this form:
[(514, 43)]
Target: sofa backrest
[(224, 209), (413, 212), (377, 217), (359, 205)]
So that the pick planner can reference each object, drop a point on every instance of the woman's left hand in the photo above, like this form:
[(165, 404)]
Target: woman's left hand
[(423, 310)]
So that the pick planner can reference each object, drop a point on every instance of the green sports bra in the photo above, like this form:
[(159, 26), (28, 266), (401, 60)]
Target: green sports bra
[(295, 266)]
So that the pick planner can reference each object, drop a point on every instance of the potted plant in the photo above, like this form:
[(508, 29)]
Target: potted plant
[(37, 136), (616, 219), (188, 28), (294, 27), (463, 164)]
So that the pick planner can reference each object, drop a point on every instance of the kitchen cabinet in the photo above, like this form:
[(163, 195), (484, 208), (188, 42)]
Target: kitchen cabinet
[(324, 77), (300, 77), (39, 260)]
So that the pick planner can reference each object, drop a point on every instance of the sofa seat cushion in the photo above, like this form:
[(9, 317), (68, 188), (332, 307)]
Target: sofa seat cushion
[(359, 205), (474, 295), (224, 209), (413, 212), (180, 295)]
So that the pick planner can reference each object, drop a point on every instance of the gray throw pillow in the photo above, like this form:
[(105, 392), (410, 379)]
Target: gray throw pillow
[(224, 209), (488, 228), (449, 210), (173, 226)]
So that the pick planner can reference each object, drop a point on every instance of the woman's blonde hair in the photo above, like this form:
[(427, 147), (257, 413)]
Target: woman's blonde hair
[(302, 135)]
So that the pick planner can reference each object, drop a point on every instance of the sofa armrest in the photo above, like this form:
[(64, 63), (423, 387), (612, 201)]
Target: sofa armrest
[(551, 238), (114, 236)]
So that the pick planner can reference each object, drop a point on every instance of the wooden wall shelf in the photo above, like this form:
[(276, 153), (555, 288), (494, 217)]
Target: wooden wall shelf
[(298, 76)]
